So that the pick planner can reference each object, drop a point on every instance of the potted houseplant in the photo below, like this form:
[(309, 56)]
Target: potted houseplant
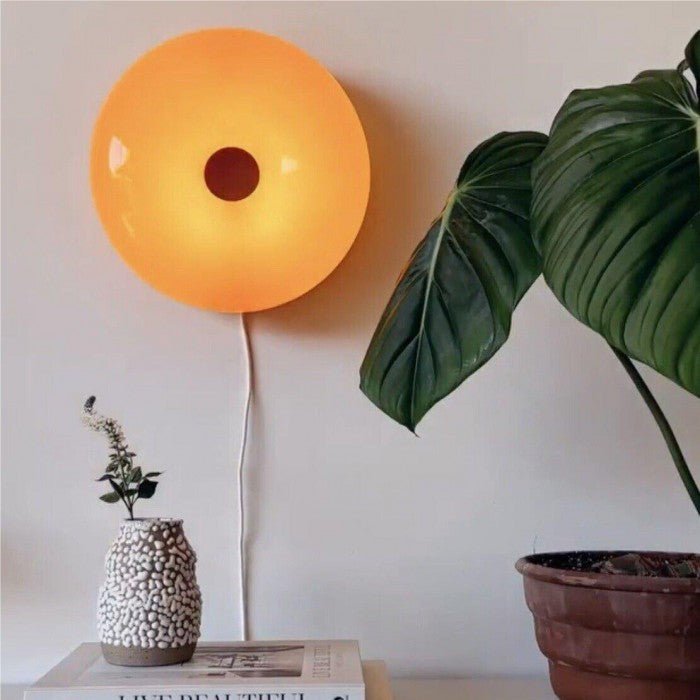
[(607, 208), (150, 606)]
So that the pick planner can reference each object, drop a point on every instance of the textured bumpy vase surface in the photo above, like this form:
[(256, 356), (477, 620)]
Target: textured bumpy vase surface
[(150, 606)]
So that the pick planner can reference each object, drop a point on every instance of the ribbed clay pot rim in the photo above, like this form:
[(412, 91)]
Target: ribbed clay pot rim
[(536, 567)]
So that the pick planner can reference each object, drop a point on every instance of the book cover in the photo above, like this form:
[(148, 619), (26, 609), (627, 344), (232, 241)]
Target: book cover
[(287, 670)]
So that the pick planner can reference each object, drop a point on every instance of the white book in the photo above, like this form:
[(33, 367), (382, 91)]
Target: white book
[(285, 670)]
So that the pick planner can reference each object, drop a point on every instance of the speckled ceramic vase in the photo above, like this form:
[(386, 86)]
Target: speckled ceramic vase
[(150, 606)]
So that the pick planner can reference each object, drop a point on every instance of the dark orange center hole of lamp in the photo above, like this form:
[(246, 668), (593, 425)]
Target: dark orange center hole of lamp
[(231, 174)]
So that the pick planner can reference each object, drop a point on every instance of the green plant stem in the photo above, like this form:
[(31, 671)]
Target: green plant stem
[(125, 487), (664, 426)]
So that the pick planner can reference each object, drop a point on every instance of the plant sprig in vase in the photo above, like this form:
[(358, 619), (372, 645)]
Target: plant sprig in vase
[(128, 481)]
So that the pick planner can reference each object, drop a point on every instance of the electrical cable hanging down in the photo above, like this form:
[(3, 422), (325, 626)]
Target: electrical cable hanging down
[(242, 568)]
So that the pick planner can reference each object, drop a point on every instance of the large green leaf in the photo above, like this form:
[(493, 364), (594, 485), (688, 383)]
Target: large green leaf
[(616, 216), (452, 307)]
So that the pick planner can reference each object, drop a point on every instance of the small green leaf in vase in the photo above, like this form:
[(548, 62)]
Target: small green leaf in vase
[(147, 488), (111, 497)]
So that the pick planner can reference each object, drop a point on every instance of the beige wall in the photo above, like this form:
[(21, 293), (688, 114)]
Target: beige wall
[(360, 529)]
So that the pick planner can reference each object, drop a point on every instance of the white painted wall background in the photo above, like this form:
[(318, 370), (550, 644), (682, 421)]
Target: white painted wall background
[(360, 529)]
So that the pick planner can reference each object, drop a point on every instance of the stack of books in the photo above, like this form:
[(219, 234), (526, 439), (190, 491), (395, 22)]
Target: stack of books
[(287, 670)]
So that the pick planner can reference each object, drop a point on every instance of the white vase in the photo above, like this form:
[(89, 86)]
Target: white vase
[(150, 606)]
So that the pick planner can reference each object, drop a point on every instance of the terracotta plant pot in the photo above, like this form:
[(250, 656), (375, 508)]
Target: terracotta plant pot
[(614, 637)]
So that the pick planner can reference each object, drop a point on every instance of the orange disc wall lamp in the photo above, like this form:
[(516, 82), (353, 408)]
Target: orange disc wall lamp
[(231, 172)]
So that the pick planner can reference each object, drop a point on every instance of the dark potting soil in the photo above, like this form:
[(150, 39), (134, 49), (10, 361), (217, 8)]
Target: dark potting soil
[(624, 563)]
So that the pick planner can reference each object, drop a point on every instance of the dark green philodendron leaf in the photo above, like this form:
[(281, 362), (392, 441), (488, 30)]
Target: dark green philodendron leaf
[(452, 306), (616, 216)]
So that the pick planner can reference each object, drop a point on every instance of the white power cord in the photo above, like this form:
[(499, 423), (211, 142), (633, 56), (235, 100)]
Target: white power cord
[(243, 572)]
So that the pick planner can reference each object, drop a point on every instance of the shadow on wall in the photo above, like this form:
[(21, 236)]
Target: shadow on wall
[(401, 206)]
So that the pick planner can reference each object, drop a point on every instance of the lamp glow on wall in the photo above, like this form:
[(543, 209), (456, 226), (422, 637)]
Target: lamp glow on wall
[(231, 172)]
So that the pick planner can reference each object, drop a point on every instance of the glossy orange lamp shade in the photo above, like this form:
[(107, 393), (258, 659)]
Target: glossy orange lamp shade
[(230, 170)]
